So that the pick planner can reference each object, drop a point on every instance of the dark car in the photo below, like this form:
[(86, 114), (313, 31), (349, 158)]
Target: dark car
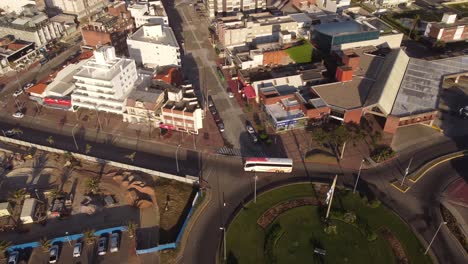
[(210, 101), (463, 112), (43, 61), (221, 126), (216, 118)]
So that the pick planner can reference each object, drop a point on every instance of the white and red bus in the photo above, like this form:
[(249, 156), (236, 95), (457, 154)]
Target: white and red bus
[(268, 165)]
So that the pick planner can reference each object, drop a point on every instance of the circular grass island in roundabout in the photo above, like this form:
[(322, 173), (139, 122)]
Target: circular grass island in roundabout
[(286, 226)]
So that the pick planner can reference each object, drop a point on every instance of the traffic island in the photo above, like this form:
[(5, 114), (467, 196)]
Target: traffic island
[(401, 187)]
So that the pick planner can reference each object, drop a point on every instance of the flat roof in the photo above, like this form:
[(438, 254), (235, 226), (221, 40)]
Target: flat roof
[(345, 95), (168, 37), (280, 114), (343, 28), (64, 83), (421, 85), (93, 70)]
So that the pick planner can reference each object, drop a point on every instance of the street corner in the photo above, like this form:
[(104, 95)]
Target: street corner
[(397, 184)]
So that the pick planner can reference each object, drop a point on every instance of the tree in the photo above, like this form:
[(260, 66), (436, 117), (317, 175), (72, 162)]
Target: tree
[(320, 136), (17, 194), (88, 148), (45, 243), (416, 21), (131, 156), (92, 185), (440, 45), (50, 140), (131, 227), (349, 217), (4, 245), (89, 237), (55, 193)]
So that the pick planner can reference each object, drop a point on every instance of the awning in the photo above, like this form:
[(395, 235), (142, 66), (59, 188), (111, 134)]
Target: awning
[(249, 92), (166, 126)]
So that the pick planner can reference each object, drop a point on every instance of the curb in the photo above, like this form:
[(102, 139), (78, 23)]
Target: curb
[(416, 176)]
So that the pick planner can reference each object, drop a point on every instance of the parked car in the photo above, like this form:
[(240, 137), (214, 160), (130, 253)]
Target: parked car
[(249, 127), (216, 118), (18, 114), (10, 133), (43, 61), (221, 126), (463, 112), (28, 85), (13, 257), (210, 101), (18, 92), (254, 137), (231, 95), (114, 242), (102, 244), (77, 249), (53, 254), (213, 110)]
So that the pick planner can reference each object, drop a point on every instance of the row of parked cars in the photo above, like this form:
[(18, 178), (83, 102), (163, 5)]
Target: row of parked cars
[(77, 249), (215, 114)]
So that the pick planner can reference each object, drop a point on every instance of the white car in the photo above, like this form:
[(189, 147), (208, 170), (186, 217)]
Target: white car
[(13, 257), (231, 95), (250, 129), (18, 92), (18, 115), (102, 243), (463, 112), (53, 254), (114, 242), (77, 250), (28, 85)]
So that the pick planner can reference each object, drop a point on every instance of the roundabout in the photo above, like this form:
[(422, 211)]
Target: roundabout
[(286, 225)]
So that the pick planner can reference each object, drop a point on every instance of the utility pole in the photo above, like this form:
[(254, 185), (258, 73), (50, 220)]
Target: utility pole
[(358, 175), (255, 187), (177, 158), (407, 171), (342, 150), (73, 135), (433, 238), (330, 194)]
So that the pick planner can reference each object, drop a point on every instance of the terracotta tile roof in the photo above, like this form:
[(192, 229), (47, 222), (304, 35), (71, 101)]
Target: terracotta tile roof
[(38, 88), (170, 76)]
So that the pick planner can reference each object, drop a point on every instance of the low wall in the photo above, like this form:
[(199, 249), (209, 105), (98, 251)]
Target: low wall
[(179, 236), (189, 180)]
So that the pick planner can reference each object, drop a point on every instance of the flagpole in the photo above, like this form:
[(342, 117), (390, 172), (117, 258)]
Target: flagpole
[(331, 192)]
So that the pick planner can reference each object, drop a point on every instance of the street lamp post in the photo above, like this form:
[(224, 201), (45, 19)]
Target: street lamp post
[(255, 187), (68, 239), (224, 241), (359, 174), (177, 158), (406, 171), (99, 120), (73, 135), (433, 238)]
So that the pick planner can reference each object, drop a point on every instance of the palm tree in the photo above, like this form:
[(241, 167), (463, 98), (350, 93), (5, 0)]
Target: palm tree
[(55, 193), (17, 131), (50, 140), (88, 236), (131, 156), (92, 185), (17, 194), (88, 148), (45, 243), (416, 20), (4, 244), (131, 227)]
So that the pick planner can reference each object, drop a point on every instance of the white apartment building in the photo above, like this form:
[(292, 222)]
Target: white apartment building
[(16, 6), (256, 28), (154, 45), (80, 8), (104, 82), (182, 112), (333, 5), (32, 26), (149, 12), (390, 3), (215, 7)]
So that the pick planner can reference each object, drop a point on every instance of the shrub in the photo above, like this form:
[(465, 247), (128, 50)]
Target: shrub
[(382, 153), (371, 236), (374, 204), (349, 218), (271, 238), (330, 230)]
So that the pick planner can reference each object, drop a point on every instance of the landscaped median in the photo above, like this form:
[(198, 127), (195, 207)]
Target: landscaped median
[(286, 225)]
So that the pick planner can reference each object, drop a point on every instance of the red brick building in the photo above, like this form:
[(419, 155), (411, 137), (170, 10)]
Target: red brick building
[(448, 30), (111, 28)]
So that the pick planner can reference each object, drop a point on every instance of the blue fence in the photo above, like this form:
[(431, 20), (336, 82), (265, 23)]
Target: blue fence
[(179, 236), (66, 238)]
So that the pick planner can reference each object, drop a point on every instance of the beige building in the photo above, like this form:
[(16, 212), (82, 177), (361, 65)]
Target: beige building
[(215, 7), (79, 8), (5, 209), (144, 107), (256, 28)]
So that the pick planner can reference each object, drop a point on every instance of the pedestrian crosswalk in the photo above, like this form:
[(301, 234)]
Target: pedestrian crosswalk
[(239, 153)]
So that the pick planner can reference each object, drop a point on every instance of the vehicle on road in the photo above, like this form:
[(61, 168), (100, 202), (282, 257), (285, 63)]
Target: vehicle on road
[(114, 242), (254, 137), (230, 95), (249, 127), (463, 112), (221, 126), (18, 114), (213, 110), (77, 250), (216, 118), (43, 61), (28, 85), (268, 165), (10, 133), (102, 243), (13, 257), (210, 101), (53, 254), (18, 92)]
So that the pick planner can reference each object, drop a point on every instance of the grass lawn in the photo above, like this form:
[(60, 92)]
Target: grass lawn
[(321, 156), (303, 231), (301, 53)]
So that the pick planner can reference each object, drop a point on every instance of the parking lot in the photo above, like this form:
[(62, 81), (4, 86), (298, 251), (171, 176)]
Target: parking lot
[(89, 253)]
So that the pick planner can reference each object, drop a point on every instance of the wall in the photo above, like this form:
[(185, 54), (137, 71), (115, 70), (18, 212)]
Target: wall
[(394, 122), (353, 116), (316, 113), (153, 55), (392, 40)]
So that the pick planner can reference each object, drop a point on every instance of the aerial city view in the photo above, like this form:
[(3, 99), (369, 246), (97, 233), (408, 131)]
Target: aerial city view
[(234, 131)]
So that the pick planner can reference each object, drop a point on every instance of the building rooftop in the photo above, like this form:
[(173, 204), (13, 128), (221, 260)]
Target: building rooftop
[(265, 73), (421, 84), (345, 95), (63, 84), (279, 113), (149, 33), (149, 96), (457, 23), (342, 28)]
